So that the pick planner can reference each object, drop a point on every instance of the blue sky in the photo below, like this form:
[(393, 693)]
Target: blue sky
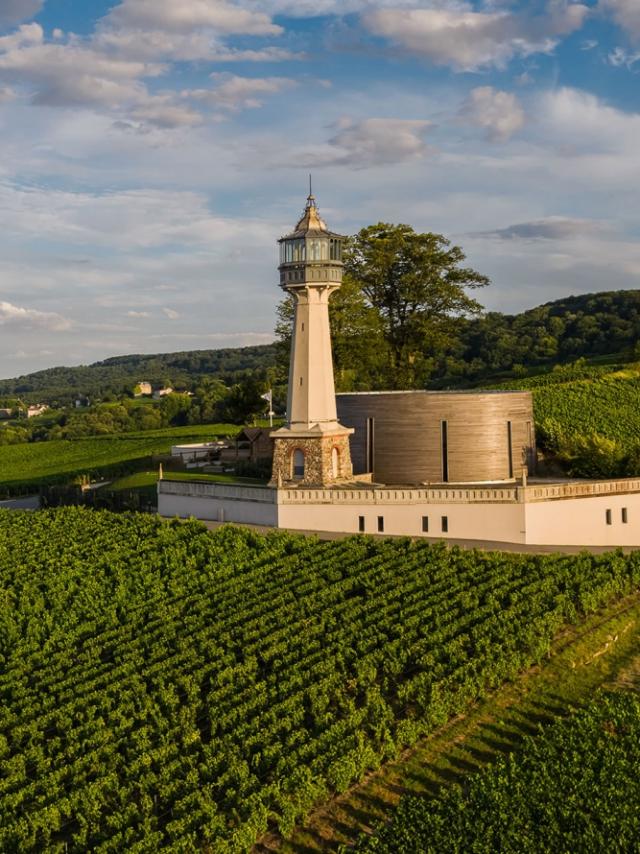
[(152, 151)]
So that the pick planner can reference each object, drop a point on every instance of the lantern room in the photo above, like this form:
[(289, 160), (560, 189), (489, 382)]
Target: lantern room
[(311, 253)]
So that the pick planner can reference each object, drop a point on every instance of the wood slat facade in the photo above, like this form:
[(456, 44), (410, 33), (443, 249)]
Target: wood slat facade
[(434, 437)]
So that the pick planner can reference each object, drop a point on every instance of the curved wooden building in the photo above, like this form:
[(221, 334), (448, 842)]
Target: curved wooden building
[(413, 437)]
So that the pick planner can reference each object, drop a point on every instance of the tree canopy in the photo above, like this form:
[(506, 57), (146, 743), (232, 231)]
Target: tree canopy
[(417, 287)]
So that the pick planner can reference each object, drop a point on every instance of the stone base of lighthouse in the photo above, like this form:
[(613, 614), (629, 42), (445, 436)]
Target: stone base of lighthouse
[(304, 459)]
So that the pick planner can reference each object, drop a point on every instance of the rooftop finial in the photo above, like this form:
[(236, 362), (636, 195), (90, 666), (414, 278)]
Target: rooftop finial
[(311, 199)]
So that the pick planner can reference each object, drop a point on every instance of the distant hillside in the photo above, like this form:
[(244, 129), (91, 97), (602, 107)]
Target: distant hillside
[(121, 373)]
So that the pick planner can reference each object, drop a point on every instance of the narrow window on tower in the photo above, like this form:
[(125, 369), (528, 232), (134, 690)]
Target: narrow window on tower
[(361, 524), (380, 524), (510, 448), (445, 452), (445, 524), (425, 524), (625, 517), (298, 464), (608, 517), (302, 327), (300, 380)]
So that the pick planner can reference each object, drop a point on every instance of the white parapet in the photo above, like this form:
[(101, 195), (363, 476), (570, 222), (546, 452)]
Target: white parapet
[(595, 513)]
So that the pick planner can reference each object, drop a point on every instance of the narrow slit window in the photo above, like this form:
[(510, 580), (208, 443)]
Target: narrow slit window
[(361, 524), (445, 524), (370, 444), (625, 516), (380, 524), (445, 452), (510, 448), (608, 515), (425, 524)]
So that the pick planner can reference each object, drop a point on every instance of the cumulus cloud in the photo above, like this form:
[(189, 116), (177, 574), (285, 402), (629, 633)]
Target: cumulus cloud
[(171, 313), (626, 13), (14, 11), (468, 40), (499, 113), (72, 73), (17, 317), (188, 15), (370, 142), (107, 71), (236, 93), (138, 314)]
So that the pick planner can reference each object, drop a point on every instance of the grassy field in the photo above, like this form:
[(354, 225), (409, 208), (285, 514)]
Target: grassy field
[(26, 467)]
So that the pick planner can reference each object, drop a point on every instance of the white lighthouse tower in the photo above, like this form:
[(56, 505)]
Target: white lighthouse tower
[(313, 448)]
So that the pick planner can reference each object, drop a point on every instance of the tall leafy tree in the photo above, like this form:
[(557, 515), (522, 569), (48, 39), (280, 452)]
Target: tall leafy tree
[(417, 286)]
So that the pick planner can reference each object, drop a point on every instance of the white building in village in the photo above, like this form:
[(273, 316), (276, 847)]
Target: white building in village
[(432, 464)]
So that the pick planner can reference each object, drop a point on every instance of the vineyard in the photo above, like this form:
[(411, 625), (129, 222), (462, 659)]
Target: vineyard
[(29, 466), (573, 788), (590, 417), (166, 688)]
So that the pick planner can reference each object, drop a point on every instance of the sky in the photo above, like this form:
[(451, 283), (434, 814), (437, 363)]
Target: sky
[(153, 151)]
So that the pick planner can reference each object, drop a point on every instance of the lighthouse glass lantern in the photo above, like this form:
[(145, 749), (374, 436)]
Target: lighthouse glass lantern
[(311, 252)]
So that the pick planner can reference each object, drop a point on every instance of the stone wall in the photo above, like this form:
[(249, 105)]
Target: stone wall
[(318, 460)]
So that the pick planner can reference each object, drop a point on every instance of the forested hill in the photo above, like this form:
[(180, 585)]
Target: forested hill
[(120, 374), (564, 330), (492, 346)]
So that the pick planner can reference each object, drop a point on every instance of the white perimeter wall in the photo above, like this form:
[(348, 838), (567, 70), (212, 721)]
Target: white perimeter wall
[(499, 522), (218, 509), (583, 521), (559, 521)]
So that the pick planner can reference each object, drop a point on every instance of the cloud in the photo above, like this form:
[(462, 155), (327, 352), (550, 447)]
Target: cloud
[(18, 317), (72, 73), (132, 219), (499, 113), (14, 11), (187, 15), (626, 13), (620, 56), (549, 228), (319, 8), (468, 40), (138, 314), (370, 142), (171, 313), (162, 45), (236, 93)]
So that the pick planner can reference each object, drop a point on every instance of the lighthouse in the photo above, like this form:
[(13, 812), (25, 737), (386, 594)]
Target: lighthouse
[(312, 449)]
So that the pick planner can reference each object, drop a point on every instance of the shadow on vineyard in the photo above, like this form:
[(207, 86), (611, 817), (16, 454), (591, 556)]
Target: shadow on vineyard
[(164, 687)]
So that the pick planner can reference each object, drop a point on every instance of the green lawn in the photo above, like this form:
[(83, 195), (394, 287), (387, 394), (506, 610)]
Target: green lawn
[(145, 479), (27, 467)]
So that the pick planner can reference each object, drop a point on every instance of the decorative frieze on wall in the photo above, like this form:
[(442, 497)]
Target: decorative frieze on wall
[(326, 460)]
